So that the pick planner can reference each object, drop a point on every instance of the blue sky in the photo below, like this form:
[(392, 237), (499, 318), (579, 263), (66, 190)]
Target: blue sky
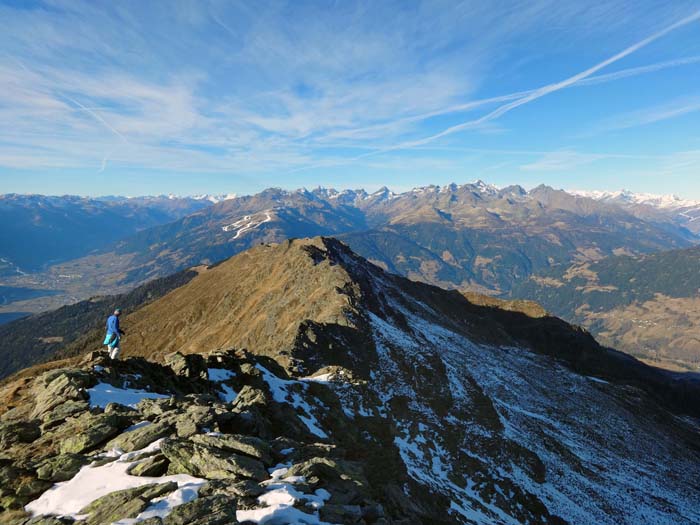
[(140, 97)]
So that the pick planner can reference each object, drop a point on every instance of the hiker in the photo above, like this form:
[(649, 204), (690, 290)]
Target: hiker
[(114, 333)]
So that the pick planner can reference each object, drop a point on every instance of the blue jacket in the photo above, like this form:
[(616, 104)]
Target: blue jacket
[(113, 325)]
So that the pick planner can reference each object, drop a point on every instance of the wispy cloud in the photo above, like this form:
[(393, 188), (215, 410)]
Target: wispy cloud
[(657, 113), (287, 87), (550, 88)]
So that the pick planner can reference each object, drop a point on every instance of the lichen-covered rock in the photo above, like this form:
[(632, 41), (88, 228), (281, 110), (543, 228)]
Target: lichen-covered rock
[(249, 414), (150, 408), (153, 466), (62, 412), (140, 437), (343, 479), (211, 510), (89, 432), (31, 486), (60, 468), (58, 386), (209, 462), (124, 504), (191, 366), (248, 445), (18, 432)]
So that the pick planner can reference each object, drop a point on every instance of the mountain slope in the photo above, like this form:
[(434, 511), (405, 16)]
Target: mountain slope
[(643, 305), (36, 338), (452, 412)]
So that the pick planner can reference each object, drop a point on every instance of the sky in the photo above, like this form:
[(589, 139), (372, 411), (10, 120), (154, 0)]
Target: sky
[(191, 97)]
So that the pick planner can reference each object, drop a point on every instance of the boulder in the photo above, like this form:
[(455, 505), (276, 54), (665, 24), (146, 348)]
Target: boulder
[(62, 412), (210, 462), (29, 487), (150, 408), (18, 432), (58, 386), (153, 466), (89, 432), (245, 488), (60, 468), (210, 510), (190, 366), (124, 504), (341, 513), (140, 437), (343, 479), (248, 445)]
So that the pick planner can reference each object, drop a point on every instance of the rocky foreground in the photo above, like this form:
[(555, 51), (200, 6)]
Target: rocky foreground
[(224, 440)]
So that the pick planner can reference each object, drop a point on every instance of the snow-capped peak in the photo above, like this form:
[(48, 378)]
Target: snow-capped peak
[(214, 199), (628, 197)]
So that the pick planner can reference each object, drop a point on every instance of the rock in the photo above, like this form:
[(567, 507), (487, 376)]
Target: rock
[(124, 504), (210, 510), (49, 520), (58, 386), (185, 427), (344, 480), (243, 489), (12, 502), (30, 486), (248, 414), (18, 432), (60, 468), (62, 412), (90, 432), (191, 366), (150, 408), (248, 445), (340, 513), (153, 466), (209, 462), (140, 437)]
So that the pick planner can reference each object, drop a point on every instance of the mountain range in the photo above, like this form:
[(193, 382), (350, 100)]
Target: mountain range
[(39, 230), (299, 383), (684, 212), (471, 237)]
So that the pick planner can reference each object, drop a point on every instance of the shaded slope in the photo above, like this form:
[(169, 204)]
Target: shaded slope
[(34, 339), (644, 305)]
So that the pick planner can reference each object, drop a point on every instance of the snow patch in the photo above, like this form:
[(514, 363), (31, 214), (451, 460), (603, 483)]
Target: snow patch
[(279, 499), (103, 393), (287, 391), (92, 482)]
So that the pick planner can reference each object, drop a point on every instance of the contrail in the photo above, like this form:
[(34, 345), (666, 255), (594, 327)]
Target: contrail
[(544, 90), (473, 104), (97, 117)]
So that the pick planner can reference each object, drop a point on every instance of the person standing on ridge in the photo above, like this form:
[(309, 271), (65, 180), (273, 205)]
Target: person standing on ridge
[(114, 334)]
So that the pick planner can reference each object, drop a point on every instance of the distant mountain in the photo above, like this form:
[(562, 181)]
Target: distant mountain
[(39, 230), (471, 236), (300, 384), (683, 212), (646, 305)]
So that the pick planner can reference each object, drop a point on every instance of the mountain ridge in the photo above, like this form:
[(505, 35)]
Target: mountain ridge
[(437, 409)]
